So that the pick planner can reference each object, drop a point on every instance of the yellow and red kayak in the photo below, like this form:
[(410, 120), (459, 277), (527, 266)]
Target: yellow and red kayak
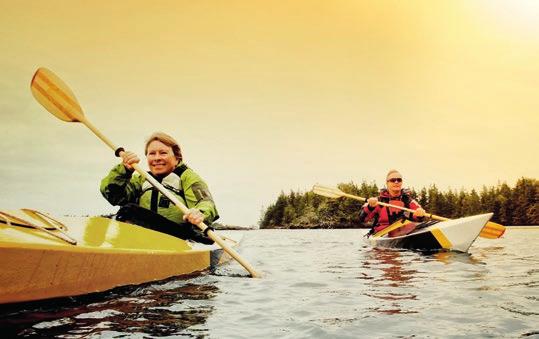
[(46, 258)]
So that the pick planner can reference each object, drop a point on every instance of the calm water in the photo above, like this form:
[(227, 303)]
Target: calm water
[(316, 284)]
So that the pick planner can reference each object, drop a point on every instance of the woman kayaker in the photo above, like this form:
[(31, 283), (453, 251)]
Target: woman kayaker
[(144, 205), (393, 194)]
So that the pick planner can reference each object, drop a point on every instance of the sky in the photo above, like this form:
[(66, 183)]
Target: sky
[(271, 96)]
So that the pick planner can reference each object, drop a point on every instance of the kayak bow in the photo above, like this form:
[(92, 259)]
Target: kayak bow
[(108, 253), (452, 235)]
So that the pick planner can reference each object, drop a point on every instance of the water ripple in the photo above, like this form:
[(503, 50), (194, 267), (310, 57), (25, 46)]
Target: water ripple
[(315, 284)]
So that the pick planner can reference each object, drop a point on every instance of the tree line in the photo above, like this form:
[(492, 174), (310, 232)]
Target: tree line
[(511, 206)]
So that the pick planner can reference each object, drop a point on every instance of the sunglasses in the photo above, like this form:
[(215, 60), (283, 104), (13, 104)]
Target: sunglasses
[(394, 180)]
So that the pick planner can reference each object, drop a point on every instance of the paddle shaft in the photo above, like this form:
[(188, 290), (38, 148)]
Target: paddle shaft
[(396, 226), (203, 227), (100, 135), (56, 97), (490, 231), (432, 216)]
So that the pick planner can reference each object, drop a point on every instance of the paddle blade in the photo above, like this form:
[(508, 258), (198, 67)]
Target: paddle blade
[(328, 192), (53, 94), (492, 230)]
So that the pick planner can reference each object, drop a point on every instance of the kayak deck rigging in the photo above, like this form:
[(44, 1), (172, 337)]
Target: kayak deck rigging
[(50, 224)]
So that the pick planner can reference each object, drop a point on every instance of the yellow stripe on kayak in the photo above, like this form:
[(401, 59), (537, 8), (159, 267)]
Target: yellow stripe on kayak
[(441, 238)]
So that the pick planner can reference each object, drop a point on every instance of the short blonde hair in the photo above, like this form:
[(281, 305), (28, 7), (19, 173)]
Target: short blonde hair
[(391, 172), (167, 140)]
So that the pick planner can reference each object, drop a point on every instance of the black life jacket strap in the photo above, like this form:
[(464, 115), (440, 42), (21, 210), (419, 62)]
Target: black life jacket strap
[(155, 194), (179, 171), (154, 200), (406, 199)]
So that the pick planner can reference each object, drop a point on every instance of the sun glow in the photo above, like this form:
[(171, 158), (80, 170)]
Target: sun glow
[(513, 17)]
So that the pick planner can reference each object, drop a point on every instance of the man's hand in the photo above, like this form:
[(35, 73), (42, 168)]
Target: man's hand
[(419, 213)]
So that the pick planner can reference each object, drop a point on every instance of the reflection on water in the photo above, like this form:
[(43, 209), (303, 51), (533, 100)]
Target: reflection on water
[(452, 257), (160, 309), (392, 285), (316, 284), (394, 271), (393, 277)]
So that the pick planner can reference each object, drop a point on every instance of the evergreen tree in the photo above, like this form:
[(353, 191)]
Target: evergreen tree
[(278, 215), (423, 198), (524, 196), (503, 197), (433, 201), (510, 206), (472, 204), (451, 200)]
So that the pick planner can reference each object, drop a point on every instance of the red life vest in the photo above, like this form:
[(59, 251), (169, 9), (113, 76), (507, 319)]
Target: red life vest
[(383, 216)]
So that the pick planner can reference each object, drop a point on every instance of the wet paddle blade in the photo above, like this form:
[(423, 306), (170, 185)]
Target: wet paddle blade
[(328, 192), (492, 230), (53, 94)]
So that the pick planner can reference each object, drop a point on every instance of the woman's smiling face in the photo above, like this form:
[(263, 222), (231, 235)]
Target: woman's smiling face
[(161, 159)]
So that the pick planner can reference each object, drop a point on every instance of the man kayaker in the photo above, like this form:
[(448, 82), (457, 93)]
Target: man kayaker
[(394, 194), (144, 205)]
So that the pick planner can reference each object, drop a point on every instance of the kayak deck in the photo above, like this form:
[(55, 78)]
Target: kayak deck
[(452, 235), (37, 265)]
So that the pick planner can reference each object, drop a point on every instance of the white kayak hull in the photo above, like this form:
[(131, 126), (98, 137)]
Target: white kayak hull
[(451, 235)]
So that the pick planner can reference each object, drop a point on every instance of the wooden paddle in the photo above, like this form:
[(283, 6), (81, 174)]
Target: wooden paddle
[(491, 230), (51, 92)]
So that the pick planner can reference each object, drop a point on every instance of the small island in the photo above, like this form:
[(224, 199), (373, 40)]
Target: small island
[(225, 227)]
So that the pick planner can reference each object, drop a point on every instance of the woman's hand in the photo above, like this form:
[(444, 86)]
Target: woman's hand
[(193, 216), (129, 158)]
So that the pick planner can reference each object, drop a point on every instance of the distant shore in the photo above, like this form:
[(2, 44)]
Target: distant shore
[(364, 227), (221, 227), (307, 227)]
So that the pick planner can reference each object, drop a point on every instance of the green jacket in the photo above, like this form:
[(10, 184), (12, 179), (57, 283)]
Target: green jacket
[(120, 187)]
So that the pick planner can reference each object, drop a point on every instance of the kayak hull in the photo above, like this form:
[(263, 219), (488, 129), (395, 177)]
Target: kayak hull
[(452, 235), (108, 254)]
